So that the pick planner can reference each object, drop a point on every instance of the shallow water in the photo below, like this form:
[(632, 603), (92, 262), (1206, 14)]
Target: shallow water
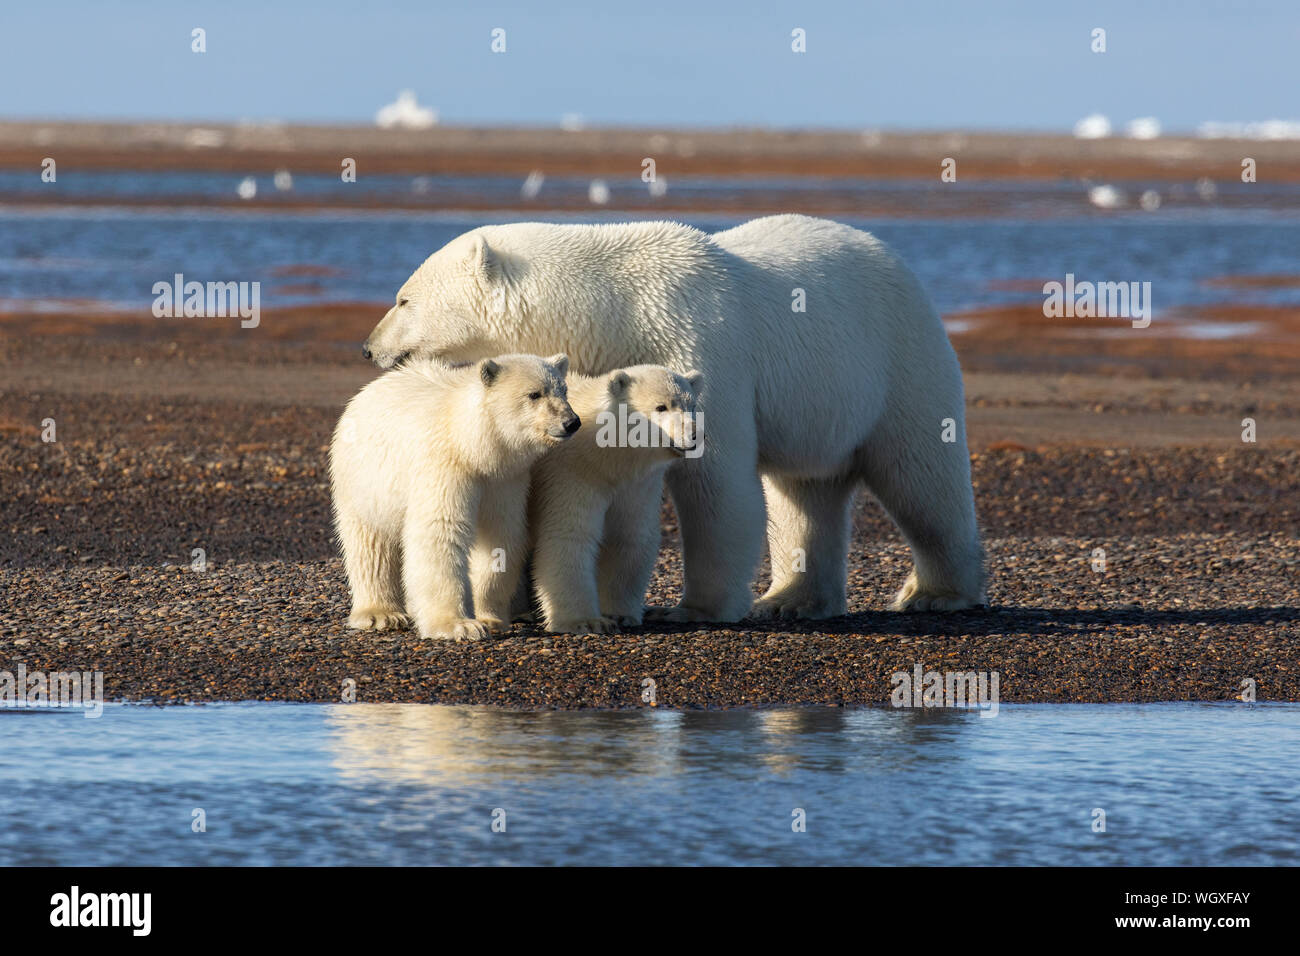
[(417, 784), (111, 253)]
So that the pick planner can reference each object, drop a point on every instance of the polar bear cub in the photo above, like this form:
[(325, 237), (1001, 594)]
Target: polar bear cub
[(429, 469), (639, 420)]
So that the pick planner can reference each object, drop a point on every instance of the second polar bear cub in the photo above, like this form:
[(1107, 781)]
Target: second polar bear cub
[(429, 468), (638, 421)]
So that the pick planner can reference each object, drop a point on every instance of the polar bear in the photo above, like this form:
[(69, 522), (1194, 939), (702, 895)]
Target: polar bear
[(429, 468), (608, 477), (826, 368)]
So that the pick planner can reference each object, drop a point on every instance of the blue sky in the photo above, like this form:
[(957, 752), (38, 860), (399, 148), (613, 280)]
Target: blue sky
[(911, 64)]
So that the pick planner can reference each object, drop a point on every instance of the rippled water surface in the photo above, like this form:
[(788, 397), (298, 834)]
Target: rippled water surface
[(111, 252), (419, 784)]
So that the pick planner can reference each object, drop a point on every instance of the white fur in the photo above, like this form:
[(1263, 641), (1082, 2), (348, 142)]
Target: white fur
[(429, 468), (594, 504), (853, 391)]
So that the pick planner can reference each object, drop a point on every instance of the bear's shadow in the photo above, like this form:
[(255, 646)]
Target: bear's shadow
[(984, 622)]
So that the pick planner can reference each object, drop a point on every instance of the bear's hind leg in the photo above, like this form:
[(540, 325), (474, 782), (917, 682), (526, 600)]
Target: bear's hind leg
[(808, 541), (372, 561), (500, 551), (629, 549), (567, 527), (924, 485)]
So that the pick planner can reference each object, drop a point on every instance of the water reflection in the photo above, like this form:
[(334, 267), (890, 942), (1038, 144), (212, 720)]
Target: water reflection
[(388, 783), (464, 746)]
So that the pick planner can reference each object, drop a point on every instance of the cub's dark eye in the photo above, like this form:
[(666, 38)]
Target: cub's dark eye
[(402, 302), (534, 396), (662, 408)]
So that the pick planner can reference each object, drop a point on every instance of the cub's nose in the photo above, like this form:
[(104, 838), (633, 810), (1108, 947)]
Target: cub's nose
[(571, 425), (365, 351)]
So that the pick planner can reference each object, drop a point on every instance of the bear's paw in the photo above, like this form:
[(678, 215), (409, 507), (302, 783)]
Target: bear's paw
[(589, 625), (377, 619), (797, 605), (914, 596), (495, 625), (467, 629)]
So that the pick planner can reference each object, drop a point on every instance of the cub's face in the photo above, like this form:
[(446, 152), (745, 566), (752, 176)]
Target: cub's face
[(527, 400), (667, 400)]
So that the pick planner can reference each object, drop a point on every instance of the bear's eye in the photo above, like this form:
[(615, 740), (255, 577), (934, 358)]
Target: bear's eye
[(402, 302), (662, 408), (534, 396)]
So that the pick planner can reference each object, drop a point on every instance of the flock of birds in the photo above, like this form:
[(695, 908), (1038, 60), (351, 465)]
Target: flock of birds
[(406, 113)]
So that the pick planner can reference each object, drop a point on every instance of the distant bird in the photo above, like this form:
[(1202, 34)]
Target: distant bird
[(598, 192), (1149, 200), (1144, 127), (247, 188), (1105, 197), (1095, 126), (658, 187), (283, 180), (533, 184), (405, 113), (1265, 129), (204, 138)]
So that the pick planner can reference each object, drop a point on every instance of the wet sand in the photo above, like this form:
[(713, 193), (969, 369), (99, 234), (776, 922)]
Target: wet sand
[(451, 150), (199, 436)]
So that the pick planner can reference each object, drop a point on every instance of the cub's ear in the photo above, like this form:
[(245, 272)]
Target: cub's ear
[(481, 259), (488, 370), (619, 383), (561, 362), (696, 379)]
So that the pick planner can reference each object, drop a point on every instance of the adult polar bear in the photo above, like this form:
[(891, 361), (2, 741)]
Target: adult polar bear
[(858, 388)]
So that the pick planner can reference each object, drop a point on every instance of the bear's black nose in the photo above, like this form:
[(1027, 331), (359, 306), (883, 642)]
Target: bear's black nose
[(571, 425), (365, 350)]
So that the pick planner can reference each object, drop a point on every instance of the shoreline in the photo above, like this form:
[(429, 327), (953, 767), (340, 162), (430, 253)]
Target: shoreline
[(734, 153), (42, 334), (194, 439), (629, 199), (1130, 657)]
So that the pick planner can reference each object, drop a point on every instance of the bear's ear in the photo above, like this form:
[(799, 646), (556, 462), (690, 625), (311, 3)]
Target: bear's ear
[(488, 371), (696, 379), (561, 362), (619, 382), (481, 259)]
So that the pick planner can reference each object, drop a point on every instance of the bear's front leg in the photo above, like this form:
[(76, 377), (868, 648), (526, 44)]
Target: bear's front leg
[(568, 520), (500, 550), (719, 504), (436, 540), (629, 549), (371, 560)]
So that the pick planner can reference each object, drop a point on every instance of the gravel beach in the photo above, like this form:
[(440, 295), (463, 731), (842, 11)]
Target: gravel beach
[(190, 440)]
